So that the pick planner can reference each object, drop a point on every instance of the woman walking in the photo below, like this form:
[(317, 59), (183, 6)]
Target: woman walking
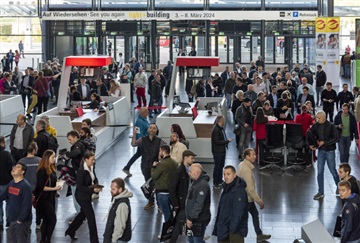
[(41, 85), (85, 181), (45, 194)]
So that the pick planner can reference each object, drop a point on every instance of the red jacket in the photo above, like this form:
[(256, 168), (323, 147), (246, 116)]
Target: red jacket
[(305, 120), (260, 130)]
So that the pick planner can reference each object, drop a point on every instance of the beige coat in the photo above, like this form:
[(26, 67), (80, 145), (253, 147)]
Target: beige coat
[(245, 171)]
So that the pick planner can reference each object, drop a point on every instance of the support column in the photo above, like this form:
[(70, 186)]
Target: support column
[(330, 8), (207, 38), (262, 38), (153, 44)]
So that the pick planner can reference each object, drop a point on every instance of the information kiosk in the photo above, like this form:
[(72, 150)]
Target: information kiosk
[(108, 123), (195, 121)]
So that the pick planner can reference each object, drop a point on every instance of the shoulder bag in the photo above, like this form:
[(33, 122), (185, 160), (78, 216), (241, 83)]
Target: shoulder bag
[(34, 199)]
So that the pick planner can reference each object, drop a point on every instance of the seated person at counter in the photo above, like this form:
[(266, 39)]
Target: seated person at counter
[(95, 101), (74, 95), (101, 88), (115, 90)]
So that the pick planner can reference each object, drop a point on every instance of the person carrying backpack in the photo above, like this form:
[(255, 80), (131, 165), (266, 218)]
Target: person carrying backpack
[(44, 140)]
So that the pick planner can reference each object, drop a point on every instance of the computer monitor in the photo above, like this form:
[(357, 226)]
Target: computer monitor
[(111, 106), (184, 107), (212, 106)]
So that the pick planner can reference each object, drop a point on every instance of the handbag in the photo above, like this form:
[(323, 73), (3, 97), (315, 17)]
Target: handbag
[(34, 199), (237, 129), (148, 189), (47, 92), (337, 229)]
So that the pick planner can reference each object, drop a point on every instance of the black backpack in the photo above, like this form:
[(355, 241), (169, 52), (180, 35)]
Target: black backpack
[(52, 142)]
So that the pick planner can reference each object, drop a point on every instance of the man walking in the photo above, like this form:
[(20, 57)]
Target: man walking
[(219, 144), (320, 82), (232, 216), (245, 171), (21, 135), (140, 86), (19, 195), (150, 145), (329, 97), (197, 206), (118, 225), (162, 173), (323, 136), (178, 191), (244, 118), (141, 126), (6, 163), (346, 125)]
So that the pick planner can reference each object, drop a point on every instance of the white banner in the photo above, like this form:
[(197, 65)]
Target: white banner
[(179, 15)]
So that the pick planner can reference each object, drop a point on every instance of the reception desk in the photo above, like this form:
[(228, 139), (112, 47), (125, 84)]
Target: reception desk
[(10, 107), (108, 125), (197, 131)]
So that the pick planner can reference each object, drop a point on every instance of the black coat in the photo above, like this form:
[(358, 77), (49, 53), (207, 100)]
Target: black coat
[(83, 181), (42, 142), (31, 82), (6, 163), (308, 98), (218, 142), (179, 187)]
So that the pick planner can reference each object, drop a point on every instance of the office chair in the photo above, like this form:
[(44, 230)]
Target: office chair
[(274, 141), (294, 141)]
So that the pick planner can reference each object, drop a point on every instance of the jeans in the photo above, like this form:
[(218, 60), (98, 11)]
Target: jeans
[(164, 203), (219, 162), (199, 239), (23, 97), (344, 149), (329, 111), (133, 158), (347, 70), (2, 189), (245, 136), (234, 238), (76, 204), (228, 100), (20, 232), (255, 217), (318, 94), (329, 157)]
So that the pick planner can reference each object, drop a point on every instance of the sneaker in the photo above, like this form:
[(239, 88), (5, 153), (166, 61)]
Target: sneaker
[(94, 196), (262, 237), (318, 196), (127, 172), (7, 225), (38, 227), (29, 116), (149, 205)]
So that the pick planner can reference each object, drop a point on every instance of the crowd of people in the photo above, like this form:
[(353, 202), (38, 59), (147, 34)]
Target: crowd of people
[(182, 192)]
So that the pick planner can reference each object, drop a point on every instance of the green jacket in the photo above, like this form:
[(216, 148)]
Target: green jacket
[(162, 174)]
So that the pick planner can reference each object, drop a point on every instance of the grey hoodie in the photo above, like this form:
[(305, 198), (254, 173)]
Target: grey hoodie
[(122, 213)]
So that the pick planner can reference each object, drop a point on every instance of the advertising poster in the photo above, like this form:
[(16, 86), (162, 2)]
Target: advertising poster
[(320, 42), (332, 45), (357, 45)]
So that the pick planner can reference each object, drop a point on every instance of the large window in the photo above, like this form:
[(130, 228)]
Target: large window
[(291, 4), (234, 4), (18, 8), (171, 4), (70, 4), (124, 4)]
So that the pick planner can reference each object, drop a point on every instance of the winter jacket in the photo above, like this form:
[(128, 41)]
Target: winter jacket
[(353, 125), (232, 215)]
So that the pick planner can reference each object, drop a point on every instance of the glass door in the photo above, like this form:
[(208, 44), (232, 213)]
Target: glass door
[(81, 46), (269, 49), (245, 49), (255, 47), (120, 46), (280, 49)]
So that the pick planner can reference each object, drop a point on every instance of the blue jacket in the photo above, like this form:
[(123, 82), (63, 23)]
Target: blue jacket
[(232, 215), (143, 125), (350, 219), (353, 125)]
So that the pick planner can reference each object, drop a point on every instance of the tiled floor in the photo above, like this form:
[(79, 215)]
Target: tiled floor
[(288, 200)]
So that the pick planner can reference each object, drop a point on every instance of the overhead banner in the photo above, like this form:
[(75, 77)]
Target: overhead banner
[(357, 44), (327, 46), (179, 15)]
